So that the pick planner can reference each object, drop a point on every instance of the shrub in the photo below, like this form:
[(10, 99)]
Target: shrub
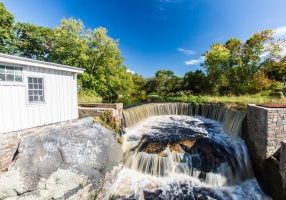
[(109, 121), (89, 96), (278, 95), (156, 98), (259, 83), (277, 86)]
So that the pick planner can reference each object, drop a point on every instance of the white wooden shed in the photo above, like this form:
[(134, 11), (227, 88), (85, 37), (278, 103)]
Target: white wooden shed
[(35, 93)]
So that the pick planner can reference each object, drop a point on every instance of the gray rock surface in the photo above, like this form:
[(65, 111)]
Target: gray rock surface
[(61, 162)]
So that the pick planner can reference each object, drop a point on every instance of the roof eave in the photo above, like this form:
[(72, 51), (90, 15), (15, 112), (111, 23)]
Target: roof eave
[(16, 60)]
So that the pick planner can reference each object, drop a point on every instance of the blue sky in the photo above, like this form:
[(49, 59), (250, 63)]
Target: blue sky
[(160, 34)]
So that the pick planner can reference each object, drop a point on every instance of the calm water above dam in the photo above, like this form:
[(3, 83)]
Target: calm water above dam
[(183, 157)]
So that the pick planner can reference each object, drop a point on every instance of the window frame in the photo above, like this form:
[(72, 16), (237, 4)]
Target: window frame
[(14, 82), (43, 89)]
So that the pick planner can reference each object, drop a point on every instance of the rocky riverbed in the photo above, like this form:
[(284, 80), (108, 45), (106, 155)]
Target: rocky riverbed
[(61, 162)]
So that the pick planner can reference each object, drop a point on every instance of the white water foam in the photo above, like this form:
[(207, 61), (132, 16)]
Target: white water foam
[(132, 182)]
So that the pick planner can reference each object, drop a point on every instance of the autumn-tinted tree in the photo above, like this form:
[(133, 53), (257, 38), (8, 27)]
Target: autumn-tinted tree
[(252, 50), (232, 67), (276, 70)]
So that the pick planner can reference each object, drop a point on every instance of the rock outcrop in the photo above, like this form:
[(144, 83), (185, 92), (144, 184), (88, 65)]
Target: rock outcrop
[(62, 162)]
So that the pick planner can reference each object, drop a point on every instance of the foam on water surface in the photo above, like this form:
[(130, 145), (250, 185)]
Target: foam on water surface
[(179, 171)]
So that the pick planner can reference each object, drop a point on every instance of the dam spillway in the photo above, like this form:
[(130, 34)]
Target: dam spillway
[(231, 120), (181, 151)]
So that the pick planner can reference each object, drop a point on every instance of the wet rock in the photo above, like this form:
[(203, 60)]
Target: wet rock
[(184, 191), (211, 154), (154, 148), (61, 162), (159, 148)]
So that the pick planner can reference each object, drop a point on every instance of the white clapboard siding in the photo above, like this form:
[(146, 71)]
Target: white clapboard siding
[(60, 87)]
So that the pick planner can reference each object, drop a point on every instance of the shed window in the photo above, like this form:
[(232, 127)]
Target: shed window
[(36, 90), (11, 74)]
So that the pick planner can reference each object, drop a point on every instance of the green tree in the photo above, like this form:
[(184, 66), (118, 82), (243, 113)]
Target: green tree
[(33, 41), (252, 50), (164, 82), (6, 30), (196, 82), (140, 86), (105, 72), (69, 47), (234, 70), (217, 63)]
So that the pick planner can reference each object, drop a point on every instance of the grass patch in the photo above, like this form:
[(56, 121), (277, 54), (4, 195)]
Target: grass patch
[(246, 99), (237, 102)]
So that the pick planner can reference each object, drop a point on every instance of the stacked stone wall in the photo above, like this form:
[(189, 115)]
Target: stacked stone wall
[(95, 110), (267, 127), (276, 129), (265, 130)]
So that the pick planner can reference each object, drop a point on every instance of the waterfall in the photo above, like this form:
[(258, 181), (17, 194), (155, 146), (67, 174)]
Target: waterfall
[(232, 120), (182, 151), (197, 147)]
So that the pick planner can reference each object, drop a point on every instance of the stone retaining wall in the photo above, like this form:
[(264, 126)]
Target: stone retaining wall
[(265, 130), (95, 110), (267, 127)]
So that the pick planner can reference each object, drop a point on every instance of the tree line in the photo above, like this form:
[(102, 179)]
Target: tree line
[(70, 43), (230, 68), (234, 67)]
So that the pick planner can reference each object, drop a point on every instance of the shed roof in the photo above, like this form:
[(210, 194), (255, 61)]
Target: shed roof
[(16, 60)]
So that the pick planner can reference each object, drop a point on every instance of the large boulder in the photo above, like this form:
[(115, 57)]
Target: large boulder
[(61, 162)]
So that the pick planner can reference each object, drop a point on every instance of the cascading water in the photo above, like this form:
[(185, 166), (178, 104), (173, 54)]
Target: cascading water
[(178, 151), (230, 119)]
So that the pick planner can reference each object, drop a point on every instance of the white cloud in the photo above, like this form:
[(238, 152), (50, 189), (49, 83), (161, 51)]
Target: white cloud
[(187, 52), (280, 32), (130, 71), (195, 61)]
